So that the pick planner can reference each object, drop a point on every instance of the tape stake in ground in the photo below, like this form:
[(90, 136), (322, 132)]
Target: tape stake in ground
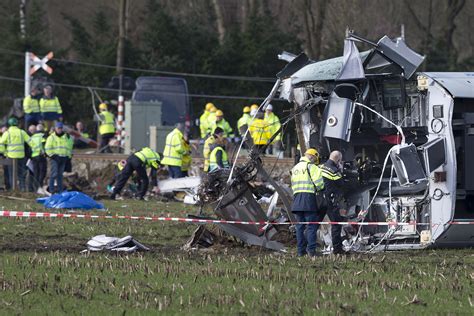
[(17, 214)]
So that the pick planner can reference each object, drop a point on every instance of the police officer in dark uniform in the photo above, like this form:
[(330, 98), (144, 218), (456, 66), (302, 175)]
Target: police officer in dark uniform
[(333, 183)]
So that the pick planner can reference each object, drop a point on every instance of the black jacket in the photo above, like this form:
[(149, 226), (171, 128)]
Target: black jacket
[(333, 182)]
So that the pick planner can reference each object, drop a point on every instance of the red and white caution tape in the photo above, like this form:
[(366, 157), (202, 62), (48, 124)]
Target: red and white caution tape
[(204, 221)]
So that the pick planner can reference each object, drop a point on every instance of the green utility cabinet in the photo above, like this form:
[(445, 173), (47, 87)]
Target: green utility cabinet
[(139, 117)]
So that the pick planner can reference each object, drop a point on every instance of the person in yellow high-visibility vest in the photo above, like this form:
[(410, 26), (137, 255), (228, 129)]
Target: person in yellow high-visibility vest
[(31, 107), (12, 146), (173, 151), (244, 120), (253, 109), (222, 123), (50, 108), (218, 133), (187, 158), (138, 162), (259, 131), (58, 148), (306, 180), (106, 128), (204, 120), (218, 158), (38, 157), (274, 125), (211, 119)]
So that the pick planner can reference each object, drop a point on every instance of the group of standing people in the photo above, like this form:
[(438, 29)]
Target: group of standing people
[(44, 139), (262, 126), (216, 132), (29, 151), (42, 107)]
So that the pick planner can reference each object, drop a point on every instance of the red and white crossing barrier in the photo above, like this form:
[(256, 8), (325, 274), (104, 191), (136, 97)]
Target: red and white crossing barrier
[(19, 214), (120, 117)]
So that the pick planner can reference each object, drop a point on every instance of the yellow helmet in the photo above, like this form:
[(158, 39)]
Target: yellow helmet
[(254, 107), (246, 109), (209, 106), (102, 106), (213, 108), (219, 113), (312, 152)]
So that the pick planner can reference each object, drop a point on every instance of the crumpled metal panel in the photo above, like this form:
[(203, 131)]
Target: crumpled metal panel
[(325, 70), (240, 205), (293, 66), (459, 84), (352, 63), (402, 55)]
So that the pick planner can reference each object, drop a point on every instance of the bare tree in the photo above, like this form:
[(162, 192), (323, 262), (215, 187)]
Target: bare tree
[(422, 25), (122, 36), (313, 13), (219, 21), (453, 9), (244, 9)]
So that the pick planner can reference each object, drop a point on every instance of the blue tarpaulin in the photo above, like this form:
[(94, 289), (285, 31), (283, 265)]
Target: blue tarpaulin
[(72, 199)]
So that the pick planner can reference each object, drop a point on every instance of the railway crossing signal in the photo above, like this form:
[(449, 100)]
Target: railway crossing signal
[(38, 63), (33, 64)]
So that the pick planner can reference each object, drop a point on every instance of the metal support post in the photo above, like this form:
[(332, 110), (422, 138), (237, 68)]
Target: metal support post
[(14, 175)]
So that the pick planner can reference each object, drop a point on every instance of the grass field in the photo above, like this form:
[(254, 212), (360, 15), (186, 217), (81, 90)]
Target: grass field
[(42, 272)]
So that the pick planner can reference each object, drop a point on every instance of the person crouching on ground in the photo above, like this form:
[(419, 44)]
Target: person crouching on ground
[(138, 162), (306, 179)]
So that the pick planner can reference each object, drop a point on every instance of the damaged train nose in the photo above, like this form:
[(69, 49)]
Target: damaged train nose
[(406, 140), (411, 130)]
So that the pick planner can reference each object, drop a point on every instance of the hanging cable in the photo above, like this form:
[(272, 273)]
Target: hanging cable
[(399, 129), (67, 85), (174, 73)]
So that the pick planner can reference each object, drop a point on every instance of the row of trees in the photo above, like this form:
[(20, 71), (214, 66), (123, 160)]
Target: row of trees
[(239, 38)]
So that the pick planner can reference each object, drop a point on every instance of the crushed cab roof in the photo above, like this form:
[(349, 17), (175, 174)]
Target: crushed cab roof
[(458, 84)]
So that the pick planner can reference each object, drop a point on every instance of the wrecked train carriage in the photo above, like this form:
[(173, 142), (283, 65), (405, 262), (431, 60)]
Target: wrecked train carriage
[(406, 138)]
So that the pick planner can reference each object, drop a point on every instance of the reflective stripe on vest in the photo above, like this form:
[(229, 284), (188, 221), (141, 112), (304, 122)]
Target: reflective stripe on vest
[(328, 174), (50, 105), (107, 125), (15, 144), (59, 146), (31, 105), (213, 159), (259, 132), (172, 154), (148, 157), (36, 142), (301, 181), (207, 151)]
